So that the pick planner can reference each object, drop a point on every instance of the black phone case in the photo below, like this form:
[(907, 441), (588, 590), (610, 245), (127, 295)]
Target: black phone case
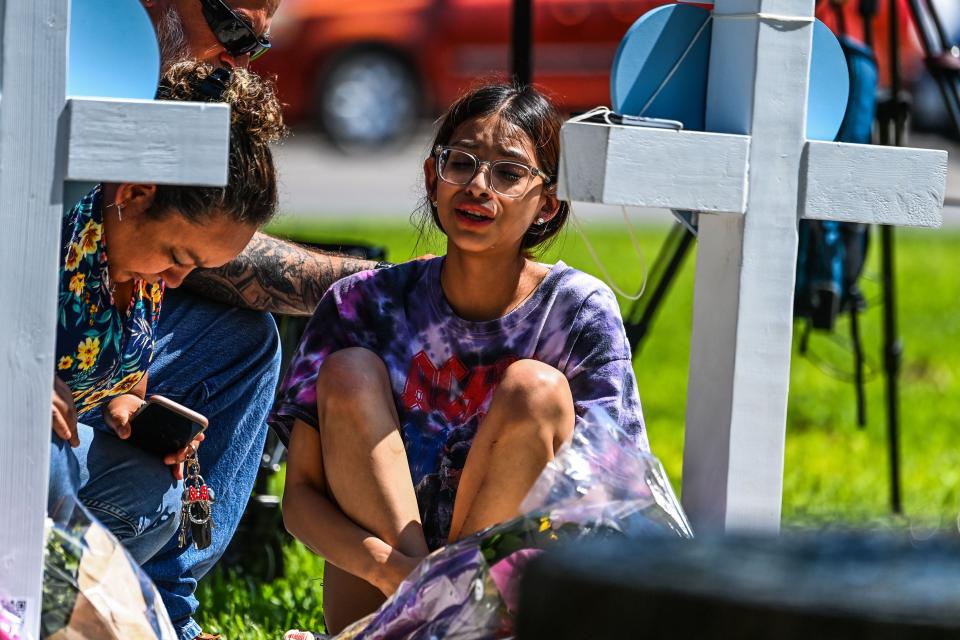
[(161, 431)]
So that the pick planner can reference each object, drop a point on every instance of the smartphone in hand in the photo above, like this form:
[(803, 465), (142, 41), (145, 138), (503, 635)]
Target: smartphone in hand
[(162, 426)]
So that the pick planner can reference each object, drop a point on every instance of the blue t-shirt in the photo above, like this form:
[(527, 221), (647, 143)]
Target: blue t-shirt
[(444, 369), (101, 352)]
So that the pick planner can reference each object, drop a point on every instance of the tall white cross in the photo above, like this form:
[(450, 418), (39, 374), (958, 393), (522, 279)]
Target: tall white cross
[(45, 140), (759, 174)]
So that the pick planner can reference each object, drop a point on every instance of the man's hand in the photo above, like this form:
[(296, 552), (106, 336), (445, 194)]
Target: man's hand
[(64, 413)]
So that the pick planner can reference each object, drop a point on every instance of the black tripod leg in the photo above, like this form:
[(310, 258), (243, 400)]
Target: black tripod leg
[(892, 356), (858, 366), (637, 331)]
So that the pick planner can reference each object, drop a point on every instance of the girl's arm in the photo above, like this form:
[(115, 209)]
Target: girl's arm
[(600, 367), (314, 519)]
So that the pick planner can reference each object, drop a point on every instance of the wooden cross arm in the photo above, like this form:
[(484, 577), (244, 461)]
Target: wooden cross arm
[(873, 184), (149, 141), (660, 168)]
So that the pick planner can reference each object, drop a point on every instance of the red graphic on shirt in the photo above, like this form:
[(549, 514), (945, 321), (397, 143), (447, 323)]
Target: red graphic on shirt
[(451, 388)]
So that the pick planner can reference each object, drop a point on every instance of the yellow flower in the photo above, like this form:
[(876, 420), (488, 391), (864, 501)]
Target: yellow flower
[(65, 363), (87, 352), (77, 282), (156, 293), (86, 361), (74, 256), (95, 397), (544, 524), (90, 236), (128, 382)]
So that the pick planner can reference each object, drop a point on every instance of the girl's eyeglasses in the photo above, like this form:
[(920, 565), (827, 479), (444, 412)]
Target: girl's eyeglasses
[(234, 33), (506, 177)]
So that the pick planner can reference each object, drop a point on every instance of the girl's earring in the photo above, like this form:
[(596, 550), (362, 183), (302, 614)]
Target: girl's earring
[(540, 221), (434, 203), (119, 210)]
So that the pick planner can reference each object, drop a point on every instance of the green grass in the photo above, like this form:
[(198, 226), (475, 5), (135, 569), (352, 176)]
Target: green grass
[(835, 473)]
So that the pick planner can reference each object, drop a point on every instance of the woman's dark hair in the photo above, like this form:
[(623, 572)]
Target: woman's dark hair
[(256, 120), (529, 111)]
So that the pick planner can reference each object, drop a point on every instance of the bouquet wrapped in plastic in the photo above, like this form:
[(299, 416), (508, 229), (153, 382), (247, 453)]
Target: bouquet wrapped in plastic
[(93, 590), (599, 485)]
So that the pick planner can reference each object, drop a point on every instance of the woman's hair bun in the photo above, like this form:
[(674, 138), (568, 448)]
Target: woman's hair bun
[(255, 111)]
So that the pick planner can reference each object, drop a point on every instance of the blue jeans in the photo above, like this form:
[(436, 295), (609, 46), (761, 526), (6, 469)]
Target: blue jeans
[(224, 363)]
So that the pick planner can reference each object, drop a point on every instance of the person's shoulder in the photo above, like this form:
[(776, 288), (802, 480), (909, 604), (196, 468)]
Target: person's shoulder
[(596, 321), (575, 286), (389, 281)]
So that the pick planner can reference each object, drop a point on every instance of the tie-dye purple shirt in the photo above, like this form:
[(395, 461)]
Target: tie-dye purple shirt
[(444, 369)]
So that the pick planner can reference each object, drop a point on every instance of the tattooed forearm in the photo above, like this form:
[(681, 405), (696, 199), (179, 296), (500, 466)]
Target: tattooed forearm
[(274, 275)]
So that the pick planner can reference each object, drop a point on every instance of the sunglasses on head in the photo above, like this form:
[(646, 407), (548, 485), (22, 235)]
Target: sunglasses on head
[(234, 33)]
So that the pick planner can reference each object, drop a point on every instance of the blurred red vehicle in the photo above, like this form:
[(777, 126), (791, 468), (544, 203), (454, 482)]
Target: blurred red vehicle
[(365, 71)]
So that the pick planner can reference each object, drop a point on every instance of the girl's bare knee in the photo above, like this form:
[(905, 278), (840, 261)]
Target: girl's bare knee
[(351, 381), (351, 372), (350, 367), (538, 393), (530, 383)]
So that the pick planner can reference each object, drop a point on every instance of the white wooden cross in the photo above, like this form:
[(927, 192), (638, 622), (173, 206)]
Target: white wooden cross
[(759, 174), (45, 140)]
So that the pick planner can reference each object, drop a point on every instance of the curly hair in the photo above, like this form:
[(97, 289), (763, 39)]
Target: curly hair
[(256, 121)]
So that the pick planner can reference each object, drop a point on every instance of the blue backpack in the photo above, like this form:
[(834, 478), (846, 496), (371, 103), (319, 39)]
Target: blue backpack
[(831, 254)]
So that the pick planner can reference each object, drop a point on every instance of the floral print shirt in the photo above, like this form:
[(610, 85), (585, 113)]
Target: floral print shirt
[(101, 351), (444, 369)]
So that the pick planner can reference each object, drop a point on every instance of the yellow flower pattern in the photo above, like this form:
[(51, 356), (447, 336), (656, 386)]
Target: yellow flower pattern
[(74, 256), (89, 347), (101, 352), (127, 383), (87, 352), (90, 237), (94, 398), (76, 284)]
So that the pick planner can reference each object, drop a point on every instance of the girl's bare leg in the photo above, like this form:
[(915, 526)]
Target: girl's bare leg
[(531, 416), (346, 598), (366, 470)]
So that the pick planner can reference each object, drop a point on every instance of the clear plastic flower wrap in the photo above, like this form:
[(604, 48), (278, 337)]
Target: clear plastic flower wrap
[(93, 590), (599, 485), (11, 621)]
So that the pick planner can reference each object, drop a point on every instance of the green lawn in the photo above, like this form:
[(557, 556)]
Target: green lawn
[(836, 474)]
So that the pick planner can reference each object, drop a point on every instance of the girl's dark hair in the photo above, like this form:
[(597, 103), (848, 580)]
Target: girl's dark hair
[(256, 120), (531, 112)]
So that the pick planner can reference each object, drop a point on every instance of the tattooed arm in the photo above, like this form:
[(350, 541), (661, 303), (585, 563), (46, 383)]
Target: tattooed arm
[(274, 275)]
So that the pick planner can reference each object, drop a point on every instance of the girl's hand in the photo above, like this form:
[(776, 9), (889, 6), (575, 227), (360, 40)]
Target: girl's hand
[(118, 412), (117, 415), (395, 570), (64, 422), (176, 459)]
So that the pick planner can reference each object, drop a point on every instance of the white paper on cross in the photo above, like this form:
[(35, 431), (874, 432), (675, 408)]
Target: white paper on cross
[(759, 175), (45, 140)]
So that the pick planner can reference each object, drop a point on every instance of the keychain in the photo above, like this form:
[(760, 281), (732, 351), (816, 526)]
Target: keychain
[(197, 500)]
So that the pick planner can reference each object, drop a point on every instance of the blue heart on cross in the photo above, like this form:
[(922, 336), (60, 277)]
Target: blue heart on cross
[(660, 70), (113, 50)]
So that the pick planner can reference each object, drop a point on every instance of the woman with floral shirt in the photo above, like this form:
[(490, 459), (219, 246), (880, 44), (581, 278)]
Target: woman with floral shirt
[(121, 246)]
